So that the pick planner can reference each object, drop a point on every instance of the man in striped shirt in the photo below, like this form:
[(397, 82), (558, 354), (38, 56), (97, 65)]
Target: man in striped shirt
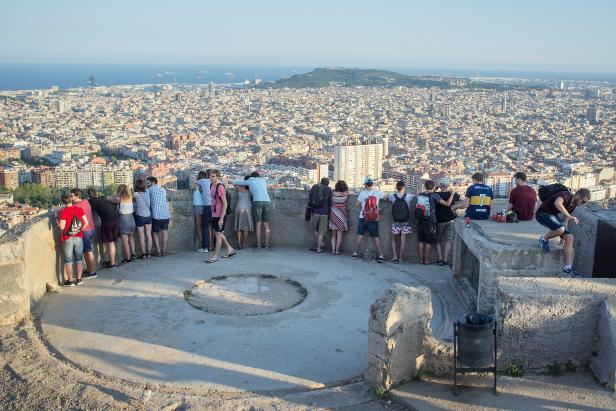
[(160, 215)]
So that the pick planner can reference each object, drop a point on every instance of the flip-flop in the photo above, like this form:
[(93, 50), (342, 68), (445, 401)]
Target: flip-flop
[(229, 255), (314, 250), (211, 260)]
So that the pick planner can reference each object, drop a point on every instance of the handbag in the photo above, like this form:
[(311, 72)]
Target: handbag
[(308, 214)]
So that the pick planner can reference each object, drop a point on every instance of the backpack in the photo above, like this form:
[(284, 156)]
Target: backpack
[(316, 198), (371, 208), (227, 196), (74, 227), (425, 208), (548, 191), (512, 217), (400, 210)]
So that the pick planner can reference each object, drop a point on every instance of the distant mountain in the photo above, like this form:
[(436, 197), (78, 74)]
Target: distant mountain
[(323, 77)]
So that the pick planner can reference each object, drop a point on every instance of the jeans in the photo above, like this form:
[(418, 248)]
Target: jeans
[(206, 219), (72, 248)]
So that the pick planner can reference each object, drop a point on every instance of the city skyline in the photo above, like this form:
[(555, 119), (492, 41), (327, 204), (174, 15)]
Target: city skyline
[(549, 36)]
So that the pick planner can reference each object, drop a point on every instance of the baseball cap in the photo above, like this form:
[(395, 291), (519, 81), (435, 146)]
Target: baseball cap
[(444, 181), (368, 181)]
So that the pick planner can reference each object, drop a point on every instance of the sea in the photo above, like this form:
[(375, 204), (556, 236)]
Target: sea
[(29, 76)]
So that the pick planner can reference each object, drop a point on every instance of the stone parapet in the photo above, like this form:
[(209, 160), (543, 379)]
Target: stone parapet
[(399, 323)]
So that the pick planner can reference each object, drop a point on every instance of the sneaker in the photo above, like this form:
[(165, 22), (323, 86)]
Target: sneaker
[(204, 250), (571, 272), (87, 275), (79, 281), (544, 244), (68, 283)]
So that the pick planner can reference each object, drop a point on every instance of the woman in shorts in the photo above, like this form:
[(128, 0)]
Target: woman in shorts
[(143, 219)]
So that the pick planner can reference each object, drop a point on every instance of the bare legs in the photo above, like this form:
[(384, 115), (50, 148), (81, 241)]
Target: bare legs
[(424, 253), (443, 249), (377, 244), (145, 237), (258, 233), (568, 249), (111, 250), (336, 241), (221, 238), (128, 246), (90, 264), (157, 242), (394, 247), (69, 270), (319, 238)]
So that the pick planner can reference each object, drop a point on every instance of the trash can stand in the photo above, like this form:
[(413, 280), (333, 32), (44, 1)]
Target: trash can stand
[(463, 370)]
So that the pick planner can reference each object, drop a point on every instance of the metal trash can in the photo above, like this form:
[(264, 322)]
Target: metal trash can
[(475, 340), (474, 346)]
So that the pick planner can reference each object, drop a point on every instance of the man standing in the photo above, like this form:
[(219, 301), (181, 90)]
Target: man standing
[(260, 204), (401, 220), (71, 221), (562, 202), (477, 199), (445, 217), (108, 213), (425, 214), (204, 186), (219, 216), (523, 198), (87, 231), (319, 202), (368, 199), (160, 215)]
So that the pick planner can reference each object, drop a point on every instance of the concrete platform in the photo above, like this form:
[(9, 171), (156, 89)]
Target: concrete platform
[(570, 391), (134, 323)]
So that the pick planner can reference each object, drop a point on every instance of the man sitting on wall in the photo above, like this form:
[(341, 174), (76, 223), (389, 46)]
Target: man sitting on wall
[(523, 198), (477, 199)]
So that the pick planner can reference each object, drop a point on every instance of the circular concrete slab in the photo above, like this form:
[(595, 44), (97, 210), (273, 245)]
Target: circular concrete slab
[(245, 294), (134, 323)]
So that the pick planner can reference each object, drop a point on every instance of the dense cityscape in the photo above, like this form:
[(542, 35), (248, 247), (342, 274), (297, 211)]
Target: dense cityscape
[(102, 136)]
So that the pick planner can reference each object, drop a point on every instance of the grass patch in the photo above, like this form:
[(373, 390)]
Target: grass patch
[(554, 369), (380, 392), (514, 369)]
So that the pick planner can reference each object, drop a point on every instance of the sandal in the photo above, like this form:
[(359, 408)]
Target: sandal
[(125, 261), (143, 256), (229, 255), (354, 255), (107, 264), (380, 259), (211, 260)]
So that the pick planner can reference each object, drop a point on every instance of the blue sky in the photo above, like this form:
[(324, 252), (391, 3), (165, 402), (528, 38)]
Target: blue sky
[(514, 35)]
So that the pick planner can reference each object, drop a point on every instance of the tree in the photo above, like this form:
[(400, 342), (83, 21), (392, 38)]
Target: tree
[(37, 195), (110, 189)]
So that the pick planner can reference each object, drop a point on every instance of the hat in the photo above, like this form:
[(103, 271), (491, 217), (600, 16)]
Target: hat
[(444, 181), (368, 181)]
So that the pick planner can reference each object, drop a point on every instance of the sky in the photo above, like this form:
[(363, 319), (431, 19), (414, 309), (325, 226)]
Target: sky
[(512, 35)]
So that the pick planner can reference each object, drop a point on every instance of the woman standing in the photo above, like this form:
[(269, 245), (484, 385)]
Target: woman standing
[(243, 215), (338, 215), (198, 204), (127, 222), (143, 219)]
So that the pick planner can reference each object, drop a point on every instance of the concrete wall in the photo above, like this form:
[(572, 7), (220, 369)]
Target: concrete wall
[(544, 321), (585, 235), (287, 224)]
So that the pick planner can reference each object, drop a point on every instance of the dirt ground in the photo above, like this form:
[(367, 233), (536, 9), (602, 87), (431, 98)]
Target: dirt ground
[(33, 377)]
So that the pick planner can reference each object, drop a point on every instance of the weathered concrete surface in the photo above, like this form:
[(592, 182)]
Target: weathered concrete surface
[(576, 391), (399, 322), (132, 322), (604, 363), (546, 321), (489, 250), (585, 235)]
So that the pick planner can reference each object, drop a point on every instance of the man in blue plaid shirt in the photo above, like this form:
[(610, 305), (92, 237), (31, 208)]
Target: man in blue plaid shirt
[(160, 215)]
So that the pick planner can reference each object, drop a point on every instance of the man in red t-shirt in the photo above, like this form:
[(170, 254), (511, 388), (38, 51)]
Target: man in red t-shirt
[(523, 198), (71, 221)]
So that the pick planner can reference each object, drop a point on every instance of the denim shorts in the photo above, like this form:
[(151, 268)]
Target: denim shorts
[(87, 241), (198, 210), (72, 249), (551, 221), (371, 226), (158, 225), (141, 221)]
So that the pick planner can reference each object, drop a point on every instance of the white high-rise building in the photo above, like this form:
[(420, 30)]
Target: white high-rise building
[(355, 162)]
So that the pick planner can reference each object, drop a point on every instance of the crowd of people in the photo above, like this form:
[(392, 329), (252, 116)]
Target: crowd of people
[(145, 211)]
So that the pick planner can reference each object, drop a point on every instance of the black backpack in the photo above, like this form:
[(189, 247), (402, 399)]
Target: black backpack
[(227, 196), (548, 191), (400, 210), (74, 227), (316, 198)]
